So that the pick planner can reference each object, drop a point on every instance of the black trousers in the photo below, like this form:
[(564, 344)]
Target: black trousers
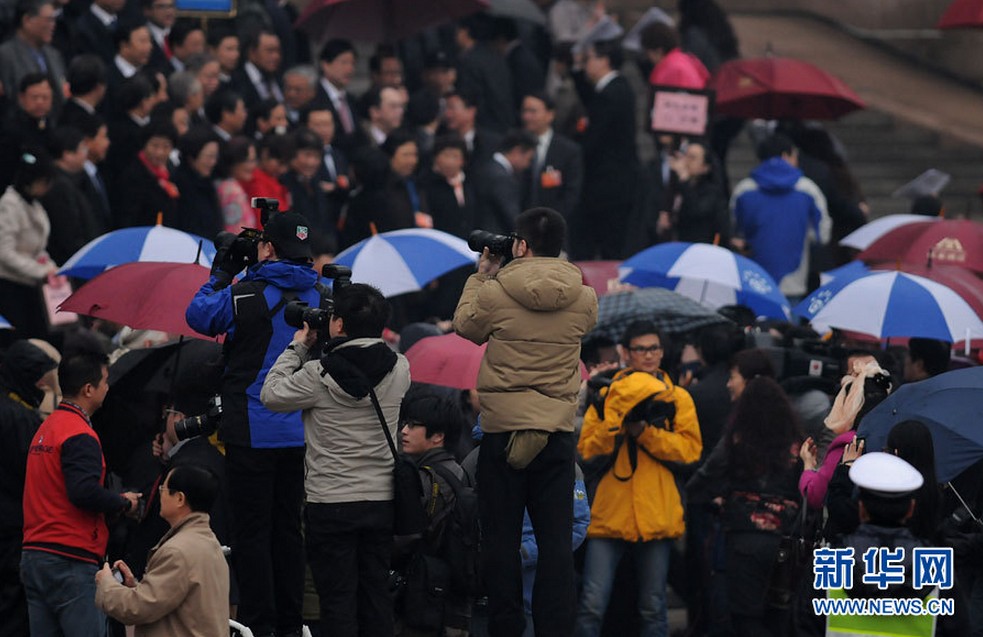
[(13, 603), (544, 488), (266, 490), (348, 548)]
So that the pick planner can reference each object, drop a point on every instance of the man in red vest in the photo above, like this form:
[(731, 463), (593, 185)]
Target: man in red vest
[(65, 506)]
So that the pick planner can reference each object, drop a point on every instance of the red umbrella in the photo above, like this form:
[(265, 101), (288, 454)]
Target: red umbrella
[(781, 88), (599, 274), (150, 296), (381, 20), (948, 242), (962, 14), (449, 361)]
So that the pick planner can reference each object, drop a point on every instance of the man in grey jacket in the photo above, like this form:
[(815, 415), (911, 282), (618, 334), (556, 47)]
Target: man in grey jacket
[(349, 480)]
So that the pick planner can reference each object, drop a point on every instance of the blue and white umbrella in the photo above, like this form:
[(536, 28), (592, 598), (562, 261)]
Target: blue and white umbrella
[(147, 243), (712, 275), (862, 237), (405, 260), (891, 304), (5, 324)]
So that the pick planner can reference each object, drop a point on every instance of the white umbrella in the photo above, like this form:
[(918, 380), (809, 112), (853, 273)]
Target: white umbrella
[(868, 233)]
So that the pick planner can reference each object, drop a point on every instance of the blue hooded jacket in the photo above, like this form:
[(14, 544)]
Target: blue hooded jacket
[(774, 210), (253, 343)]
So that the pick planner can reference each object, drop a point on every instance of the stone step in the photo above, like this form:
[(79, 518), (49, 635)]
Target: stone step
[(858, 136)]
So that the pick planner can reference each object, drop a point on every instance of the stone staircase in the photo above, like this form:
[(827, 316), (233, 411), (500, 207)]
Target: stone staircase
[(884, 154)]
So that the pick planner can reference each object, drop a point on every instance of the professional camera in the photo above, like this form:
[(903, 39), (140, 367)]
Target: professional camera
[(497, 244), (266, 205), (655, 413), (296, 313), (201, 425), (238, 249)]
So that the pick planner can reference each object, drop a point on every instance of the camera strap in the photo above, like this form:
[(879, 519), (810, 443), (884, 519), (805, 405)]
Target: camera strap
[(385, 425)]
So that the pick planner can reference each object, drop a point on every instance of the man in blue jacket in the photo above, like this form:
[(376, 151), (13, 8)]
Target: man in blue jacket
[(264, 451), (780, 213)]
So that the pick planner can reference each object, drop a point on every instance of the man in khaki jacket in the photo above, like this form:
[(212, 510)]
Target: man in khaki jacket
[(185, 590), (533, 313)]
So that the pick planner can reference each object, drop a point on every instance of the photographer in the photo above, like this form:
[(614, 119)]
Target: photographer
[(264, 450), (349, 483), (643, 423), (533, 313)]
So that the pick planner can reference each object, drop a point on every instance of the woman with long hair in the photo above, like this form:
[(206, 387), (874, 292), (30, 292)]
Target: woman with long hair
[(760, 502)]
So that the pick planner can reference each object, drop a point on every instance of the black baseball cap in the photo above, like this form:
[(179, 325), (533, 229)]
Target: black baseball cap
[(290, 234)]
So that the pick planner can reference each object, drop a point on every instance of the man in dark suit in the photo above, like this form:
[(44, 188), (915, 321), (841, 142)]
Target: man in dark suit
[(483, 73), (95, 28), (557, 174), (460, 115), (608, 145), (257, 79), (499, 183), (86, 77), (528, 74), (134, 100), (133, 47), (27, 126), (30, 50), (337, 70), (161, 16), (72, 220), (332, 175), (96, 136)]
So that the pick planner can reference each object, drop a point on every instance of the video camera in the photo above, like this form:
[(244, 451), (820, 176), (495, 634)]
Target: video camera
[(202, 425), (296, 313)]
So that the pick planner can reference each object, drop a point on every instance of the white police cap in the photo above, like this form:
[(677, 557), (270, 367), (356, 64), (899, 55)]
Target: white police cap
[(885, 475), (605, 29)]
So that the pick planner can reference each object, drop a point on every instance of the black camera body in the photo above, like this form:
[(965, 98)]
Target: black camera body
[(655, 413), (497, 244), (296, 313), (202, 425)]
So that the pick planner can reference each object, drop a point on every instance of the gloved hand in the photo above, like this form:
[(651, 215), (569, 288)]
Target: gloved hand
[(224, 265)]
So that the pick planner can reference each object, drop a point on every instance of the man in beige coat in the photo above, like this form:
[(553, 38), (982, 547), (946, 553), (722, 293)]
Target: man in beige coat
[(533, 313), (185, 590)]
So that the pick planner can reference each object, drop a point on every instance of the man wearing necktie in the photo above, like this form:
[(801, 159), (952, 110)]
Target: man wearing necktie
[(337, 62), (30, 50)]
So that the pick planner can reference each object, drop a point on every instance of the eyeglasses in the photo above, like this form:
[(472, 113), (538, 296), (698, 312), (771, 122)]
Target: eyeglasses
[(640, 349)]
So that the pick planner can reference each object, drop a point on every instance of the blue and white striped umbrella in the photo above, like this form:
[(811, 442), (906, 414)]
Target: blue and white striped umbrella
[(147, 243), (5, 324), (712, 275), (404, 261), (889, 305)]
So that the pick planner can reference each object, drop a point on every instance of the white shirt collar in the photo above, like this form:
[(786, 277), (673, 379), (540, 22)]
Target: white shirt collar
[(222, 133), (177, 64), (544, 143), (84, 105), (334, 93), (127, 69), (91, 169), (377, 135), (158, 33), (104, 16), (505, 163), (140, 121), (255, 75), (469, 139), (604, 81)]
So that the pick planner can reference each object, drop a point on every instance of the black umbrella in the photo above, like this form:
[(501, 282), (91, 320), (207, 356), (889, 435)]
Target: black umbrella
[(671, 312)]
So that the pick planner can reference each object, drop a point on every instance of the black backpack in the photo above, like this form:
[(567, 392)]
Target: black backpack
[(455, 533)]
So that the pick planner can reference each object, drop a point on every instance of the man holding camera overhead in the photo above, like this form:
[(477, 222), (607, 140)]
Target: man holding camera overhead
[(264, 450), (533, 313)]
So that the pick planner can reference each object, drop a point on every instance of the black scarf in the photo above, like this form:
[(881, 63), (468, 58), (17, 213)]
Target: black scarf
[(357, 369)]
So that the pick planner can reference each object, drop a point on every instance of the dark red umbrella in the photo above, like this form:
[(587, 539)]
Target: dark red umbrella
[(781, 88), (449, 361), (150, 296), (962, 14), (949, 242), (599, 274), (381, 20)]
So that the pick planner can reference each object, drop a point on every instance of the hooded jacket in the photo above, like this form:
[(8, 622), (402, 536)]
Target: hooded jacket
[(639, 503), (779, 211), (254, 339), (348, 458), (533, 315)]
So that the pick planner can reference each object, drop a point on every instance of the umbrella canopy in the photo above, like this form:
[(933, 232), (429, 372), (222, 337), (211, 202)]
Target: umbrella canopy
[(709, 274), (671, 312), (781, 88), (150, 296), (148, 243), (862, 237), (891, 304), (599, 274), (405, 260), (962, 14), (5, 324), (381, 20), (449, 361), (520, 9), (949, 242), (949, 404)]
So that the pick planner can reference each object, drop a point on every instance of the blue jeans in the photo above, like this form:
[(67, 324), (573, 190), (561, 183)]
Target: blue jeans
[(61, 595), (600, 565)]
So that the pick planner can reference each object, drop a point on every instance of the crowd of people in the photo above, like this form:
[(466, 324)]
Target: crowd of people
[(679, 462)]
